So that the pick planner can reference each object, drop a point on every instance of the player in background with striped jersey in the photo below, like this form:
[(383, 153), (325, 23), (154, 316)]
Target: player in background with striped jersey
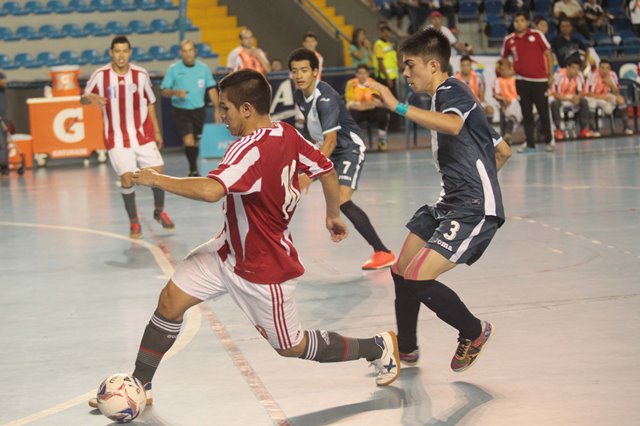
[(132, 134), (253, 258)]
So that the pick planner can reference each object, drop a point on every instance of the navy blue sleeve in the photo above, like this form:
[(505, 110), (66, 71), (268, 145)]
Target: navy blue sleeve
[(456, 99)]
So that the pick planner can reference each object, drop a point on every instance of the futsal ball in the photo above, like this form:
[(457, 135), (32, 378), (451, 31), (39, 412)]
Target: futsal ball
[(121, 398)]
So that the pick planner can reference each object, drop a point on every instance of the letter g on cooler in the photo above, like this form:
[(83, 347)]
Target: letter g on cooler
[(68, 125)]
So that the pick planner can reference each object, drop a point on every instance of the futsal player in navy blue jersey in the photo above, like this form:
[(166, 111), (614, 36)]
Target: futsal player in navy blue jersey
[(459, 226)]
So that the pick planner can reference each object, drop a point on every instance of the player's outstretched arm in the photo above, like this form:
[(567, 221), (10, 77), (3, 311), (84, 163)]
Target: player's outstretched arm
[(503, 153), (200, 188), (450, 124), (336, 226)]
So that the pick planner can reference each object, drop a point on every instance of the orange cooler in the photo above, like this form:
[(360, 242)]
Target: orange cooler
[(64, 80)]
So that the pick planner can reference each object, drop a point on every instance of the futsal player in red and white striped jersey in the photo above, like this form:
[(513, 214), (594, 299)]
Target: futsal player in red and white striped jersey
[(253, 258), (132, 134)]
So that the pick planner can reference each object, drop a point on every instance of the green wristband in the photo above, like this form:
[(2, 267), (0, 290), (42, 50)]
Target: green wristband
[(402, 109)]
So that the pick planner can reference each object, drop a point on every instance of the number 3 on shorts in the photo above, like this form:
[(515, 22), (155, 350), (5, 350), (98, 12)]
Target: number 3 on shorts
[(345, 166), (455, 227)]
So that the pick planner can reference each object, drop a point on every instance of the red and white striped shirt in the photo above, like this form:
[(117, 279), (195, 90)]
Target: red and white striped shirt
[(126, 114), (260, 175), (596, 84)]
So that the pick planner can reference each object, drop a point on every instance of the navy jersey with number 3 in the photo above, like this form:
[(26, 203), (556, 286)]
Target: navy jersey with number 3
[(466, 162)]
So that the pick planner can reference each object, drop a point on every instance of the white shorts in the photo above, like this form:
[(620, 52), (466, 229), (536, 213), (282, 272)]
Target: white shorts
[(271, 308), (125, 160), (606, 105)]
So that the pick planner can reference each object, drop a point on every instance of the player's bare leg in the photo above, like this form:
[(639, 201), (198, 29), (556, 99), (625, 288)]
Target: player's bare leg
[(327, 346), (129, 197), (158, 199), (382, 256)]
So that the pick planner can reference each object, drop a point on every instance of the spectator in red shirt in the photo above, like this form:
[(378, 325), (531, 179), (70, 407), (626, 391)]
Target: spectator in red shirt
[(533, 64)]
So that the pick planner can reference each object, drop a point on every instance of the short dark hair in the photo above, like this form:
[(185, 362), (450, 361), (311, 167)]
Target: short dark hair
[(564, 19), (120, 39), (573, 61), (354, 35), (363, 67), (310, 34), (303, 54), (539, 18), (604, 61), (525, 15), (465, 58), (429, 44), (247, 86)]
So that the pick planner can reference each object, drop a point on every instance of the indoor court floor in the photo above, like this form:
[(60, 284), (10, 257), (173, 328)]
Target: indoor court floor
[(560, 282)]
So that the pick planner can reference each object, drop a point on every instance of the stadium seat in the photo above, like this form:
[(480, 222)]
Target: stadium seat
[(188, 25), (7, 35), (493, 8), (138, 55), (631, 50), (125, 5), (204, 51), (139, 27), (102, 6), (49, 31), (95, 29), (159, 53), (621, 24), (91, 56), (147, 5), (161, 26), (468, 10), (5, 62), (496, 33), (167, 4), (69, 57), (27, 32), (175, 51), (72, 30), (116, 28), (25, 60), (602, 39), (35, 7), (46, 59), (80, 6), (605, 51), (57, 6), (541, 6), (13, 8)]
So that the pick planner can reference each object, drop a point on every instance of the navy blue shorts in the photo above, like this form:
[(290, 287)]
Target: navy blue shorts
[(348, 166), (460, 236)]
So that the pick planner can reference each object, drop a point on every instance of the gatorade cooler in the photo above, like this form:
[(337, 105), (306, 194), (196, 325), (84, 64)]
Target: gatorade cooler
[(65, 80)]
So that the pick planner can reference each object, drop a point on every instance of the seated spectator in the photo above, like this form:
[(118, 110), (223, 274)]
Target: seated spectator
[(476, 83), (310, 42), (573, 10), (393, 9), (595, 16), (566, 46), (541, 24), (247, 55), (436, 22), (568, 92), (364, 107), (276, 65), (504, 91), (603, 91), (634, 15), (360, 48)]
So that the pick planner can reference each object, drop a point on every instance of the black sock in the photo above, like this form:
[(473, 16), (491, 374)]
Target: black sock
[(363, 225), (447, 306), (407, 309), (192, 157), (129, 197), (158, 199), (327, 346), (158, 338)]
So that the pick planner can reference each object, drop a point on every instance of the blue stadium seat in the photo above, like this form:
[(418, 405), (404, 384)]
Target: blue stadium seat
[(57, 6), (25, 60), (542, 6), (147, 5), (7, 35), (161, 26), (138, 26), (103, 6), (95, 29), (69, 57), (138, 55), (605, 51), (631, 41), (125, 5), (106, 56), (49, 31), (468, 10), (159, 53), (189, 27), (116, 28), (80, 6), (175, 51), (602, 39), (167, 4), (91, 56), (13, 8), (496, 33), (27, 32), (46, 59), (35, 7), (631, 50), (493, 8), (204, 51), (621, 24), (72, 30), (5, 62)]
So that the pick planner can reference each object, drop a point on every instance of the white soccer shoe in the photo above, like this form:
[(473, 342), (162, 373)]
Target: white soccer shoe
[(388, 365)]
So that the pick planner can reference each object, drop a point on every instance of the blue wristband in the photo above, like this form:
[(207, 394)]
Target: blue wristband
[(402, 109)]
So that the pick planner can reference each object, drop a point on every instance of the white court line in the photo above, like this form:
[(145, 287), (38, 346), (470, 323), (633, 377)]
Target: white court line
[(191, 324)]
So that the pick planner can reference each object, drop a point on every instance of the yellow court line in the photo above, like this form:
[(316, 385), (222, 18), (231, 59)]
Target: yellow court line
[(191, 324)]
